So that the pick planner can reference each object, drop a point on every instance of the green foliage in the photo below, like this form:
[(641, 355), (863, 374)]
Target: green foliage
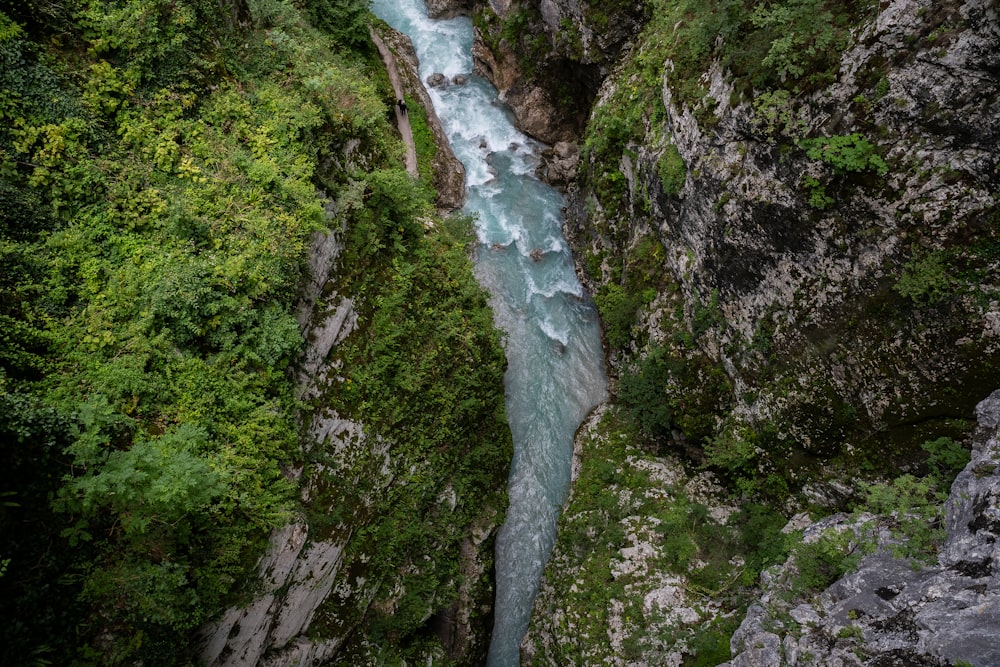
[(761, 532), (914, 506), (663, 392), (161, 481), (617, 313), (423, 141), (672, 170), (645, 391), (774, 114), (945, 458), (845, 153), (160, 186), (910, 507), (804, 37), (736, 452), (346, 21), (818, 199), (37, 595), (926, 279), (709, 644), (155, 40), (639, 279), (822, 561), (881, 88)]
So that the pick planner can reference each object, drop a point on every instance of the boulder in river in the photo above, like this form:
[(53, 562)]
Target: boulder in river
[(437, 80)]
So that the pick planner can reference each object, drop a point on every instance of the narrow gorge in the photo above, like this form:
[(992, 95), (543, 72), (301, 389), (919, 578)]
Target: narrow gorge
[(500, 332), (555, 373)]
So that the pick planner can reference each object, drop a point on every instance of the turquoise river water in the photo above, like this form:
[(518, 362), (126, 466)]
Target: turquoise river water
[(555, 373)]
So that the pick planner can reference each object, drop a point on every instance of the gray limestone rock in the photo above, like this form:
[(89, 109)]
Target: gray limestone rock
[(891, 612), (437, 80), (802, 283), (559, 163), (446, 9)]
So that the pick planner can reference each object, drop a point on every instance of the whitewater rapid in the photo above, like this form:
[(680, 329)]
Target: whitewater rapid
[(555, 373)]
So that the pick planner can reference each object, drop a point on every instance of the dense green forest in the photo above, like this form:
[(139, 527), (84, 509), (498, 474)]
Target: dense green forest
[(163, 166)]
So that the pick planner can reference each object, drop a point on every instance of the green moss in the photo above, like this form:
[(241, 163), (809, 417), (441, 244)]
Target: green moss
[(672, 171), (423, 141)]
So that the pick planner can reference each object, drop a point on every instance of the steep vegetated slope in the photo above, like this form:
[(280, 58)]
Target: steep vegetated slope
[(167, 169), (787, 214)]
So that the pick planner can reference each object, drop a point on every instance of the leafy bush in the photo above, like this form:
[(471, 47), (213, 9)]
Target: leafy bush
[(845, 153), (926, 280), (672, 170), (346, 21), (617, 313), (945, 458), (821, 562), (914, 507), (645, 391), (664, 391), (804, 37)]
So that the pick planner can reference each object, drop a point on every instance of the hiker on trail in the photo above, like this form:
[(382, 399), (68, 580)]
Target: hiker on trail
[(402, 106)]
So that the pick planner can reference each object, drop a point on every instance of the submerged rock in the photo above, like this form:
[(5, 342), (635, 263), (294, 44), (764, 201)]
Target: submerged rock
[(437, 80)]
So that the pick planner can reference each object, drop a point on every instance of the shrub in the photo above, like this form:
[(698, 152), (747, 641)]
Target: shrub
[(672, 170), (644, 390), (926, 280), (617, 310), (945, 458), (346, 21), (845, 153)]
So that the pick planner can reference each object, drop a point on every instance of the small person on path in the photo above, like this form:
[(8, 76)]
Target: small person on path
[(402, 106)]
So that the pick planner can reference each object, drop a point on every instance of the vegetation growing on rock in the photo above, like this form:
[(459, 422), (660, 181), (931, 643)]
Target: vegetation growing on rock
[(819, 306), (164, 167)]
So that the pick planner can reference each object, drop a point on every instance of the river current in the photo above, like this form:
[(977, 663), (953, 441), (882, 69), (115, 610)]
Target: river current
[(555, 373)]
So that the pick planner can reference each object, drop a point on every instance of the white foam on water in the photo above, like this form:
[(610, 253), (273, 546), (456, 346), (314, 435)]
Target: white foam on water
[(555, 372)]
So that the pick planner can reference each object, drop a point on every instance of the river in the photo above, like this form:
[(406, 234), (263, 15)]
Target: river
[(555, 373)]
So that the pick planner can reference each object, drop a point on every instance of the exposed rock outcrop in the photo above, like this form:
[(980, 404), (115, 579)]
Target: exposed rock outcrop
[(446, 9), (548, 60), (559, 164), (889, 612), (298, 571), (785, 317), (824, 291), (449, 173)]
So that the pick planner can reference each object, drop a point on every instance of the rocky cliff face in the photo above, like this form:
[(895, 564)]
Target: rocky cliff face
[(891, 611), (390, 552), (323, 582), (829, 257), (798, 275), (548, 59)]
